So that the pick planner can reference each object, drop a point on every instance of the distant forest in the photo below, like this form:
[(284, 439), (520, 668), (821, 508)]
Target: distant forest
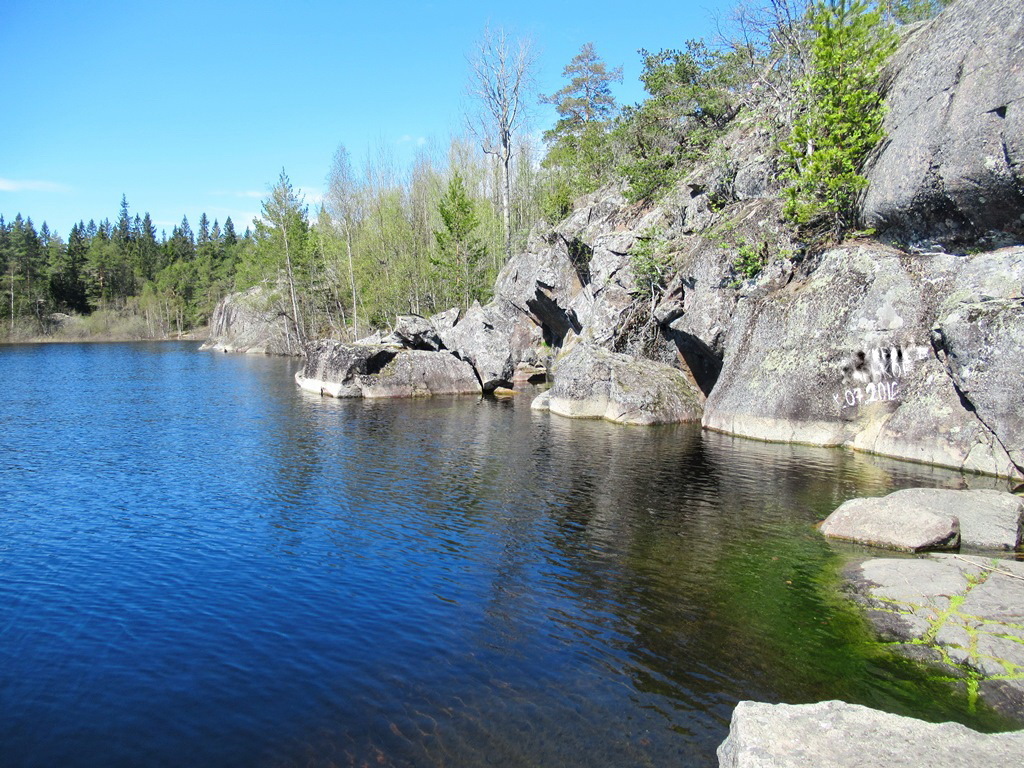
[(389, 240)]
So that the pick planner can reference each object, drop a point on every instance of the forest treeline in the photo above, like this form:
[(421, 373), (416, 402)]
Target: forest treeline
[(387, 240)]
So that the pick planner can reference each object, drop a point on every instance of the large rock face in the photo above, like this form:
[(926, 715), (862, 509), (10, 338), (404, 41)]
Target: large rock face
[(953, 163), (841, 735), (863, 352), (252, 322), (494, 339)]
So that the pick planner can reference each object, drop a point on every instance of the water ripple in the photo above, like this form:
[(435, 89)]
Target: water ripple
[(193, 552)]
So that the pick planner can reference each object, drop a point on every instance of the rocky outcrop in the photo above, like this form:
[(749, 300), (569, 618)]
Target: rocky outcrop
[(841, 735), (252, 322), (962, 613), (419, 374), (379, 371), (856, 352), (593, 383), (917, 519), (981, 344), (415, 332), (494, 340), (952, 165)]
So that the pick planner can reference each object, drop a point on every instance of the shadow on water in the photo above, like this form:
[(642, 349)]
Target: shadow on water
[(195, 552)]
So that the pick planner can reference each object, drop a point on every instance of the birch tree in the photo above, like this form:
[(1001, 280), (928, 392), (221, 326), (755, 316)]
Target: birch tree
[(501, 85), (345, 205)]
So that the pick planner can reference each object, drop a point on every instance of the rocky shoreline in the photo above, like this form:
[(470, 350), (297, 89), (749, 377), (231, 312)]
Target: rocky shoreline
[(907, 344)]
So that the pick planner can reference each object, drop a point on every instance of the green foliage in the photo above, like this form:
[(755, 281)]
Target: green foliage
[(693, 98), (910, 11), (579, 146), (841, 117), (649, 259), (750, 259), (461, 256)]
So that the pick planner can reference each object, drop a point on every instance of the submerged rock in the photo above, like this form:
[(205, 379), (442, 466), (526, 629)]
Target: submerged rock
[(593, 383), (841, 735), (963, 613), (918, 519)]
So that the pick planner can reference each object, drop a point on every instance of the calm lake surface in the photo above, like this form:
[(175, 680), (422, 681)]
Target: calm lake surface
[(202, 565)]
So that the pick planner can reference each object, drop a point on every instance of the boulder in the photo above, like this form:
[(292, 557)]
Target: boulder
[(952, 165), (494, 339), (253, 321), (593, 383), (964, 614), (335, 368), (378, 371), (542, 282), (417, 373), (837, 734), (890, 523), (415, 332), (842, 354), (918, 519)]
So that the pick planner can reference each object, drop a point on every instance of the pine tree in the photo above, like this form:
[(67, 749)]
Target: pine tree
[(841, 119), (579, 153)]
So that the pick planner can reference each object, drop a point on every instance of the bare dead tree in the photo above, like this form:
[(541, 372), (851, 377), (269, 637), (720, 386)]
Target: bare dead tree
[(773, 36), (501, 84)]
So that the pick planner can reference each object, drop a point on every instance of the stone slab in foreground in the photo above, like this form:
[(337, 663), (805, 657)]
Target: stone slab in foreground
[(833, 733), (964, 614)]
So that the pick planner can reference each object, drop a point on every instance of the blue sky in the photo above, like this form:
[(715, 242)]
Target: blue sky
[(188, 106)]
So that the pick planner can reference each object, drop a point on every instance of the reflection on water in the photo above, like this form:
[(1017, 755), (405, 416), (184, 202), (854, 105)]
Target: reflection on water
[(201, 564)]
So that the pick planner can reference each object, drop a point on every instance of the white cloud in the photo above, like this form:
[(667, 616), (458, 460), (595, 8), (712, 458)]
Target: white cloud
[(31, 185), (419, 141)]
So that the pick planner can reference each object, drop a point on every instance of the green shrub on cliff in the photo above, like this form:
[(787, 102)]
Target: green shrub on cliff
[(648, 260), (841, 116)]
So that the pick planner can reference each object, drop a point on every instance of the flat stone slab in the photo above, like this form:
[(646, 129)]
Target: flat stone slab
[(921, 519), (963, 613), (890, 523), (837, 734)]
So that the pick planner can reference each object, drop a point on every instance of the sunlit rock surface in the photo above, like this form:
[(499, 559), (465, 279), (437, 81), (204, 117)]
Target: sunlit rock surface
[(952, 165), (841, 735), (593, 383), (916, 519)]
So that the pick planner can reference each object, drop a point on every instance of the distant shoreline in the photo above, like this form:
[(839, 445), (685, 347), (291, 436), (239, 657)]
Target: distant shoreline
[(199, 335)]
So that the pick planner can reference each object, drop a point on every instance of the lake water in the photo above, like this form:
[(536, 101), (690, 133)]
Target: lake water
[(202, 565)]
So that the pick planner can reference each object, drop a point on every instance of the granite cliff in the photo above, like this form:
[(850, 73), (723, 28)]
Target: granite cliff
[(906, 343)]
